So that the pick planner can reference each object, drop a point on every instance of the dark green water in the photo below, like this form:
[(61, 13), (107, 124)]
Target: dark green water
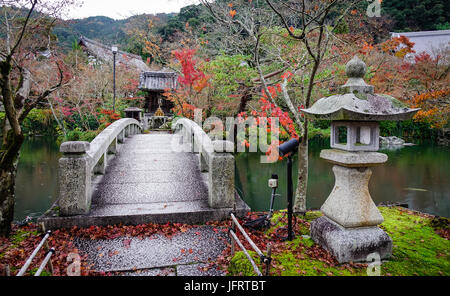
[(36, 183), (419, 176)]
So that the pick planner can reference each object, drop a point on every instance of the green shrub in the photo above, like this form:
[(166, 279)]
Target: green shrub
[(79, 135), (314, 133), (88, 136), (74, 135), (39, 122), (409, 130), (341, 27)]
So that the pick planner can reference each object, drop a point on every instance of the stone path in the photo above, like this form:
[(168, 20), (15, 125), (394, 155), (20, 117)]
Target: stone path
[(185, 254), (147, 177)]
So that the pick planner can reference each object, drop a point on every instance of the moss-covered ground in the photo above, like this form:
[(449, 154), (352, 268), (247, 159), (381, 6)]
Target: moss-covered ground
[(420, 248)]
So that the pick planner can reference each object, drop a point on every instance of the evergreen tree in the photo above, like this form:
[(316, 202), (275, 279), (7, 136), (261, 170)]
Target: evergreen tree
[(418, 15)]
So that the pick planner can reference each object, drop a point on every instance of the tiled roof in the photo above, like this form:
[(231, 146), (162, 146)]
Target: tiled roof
[(158, 80), (104, 53)]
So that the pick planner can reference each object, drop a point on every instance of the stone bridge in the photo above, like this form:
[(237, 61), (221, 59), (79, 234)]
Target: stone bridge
[(124, 176)]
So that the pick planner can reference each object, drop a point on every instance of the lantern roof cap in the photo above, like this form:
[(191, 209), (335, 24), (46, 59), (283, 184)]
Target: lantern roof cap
[(132, 109), (358, 101)]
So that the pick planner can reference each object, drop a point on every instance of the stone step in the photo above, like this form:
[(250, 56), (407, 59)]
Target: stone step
[(151, 157), (130, 177), (188, 212), (105, 194), (151, 164)]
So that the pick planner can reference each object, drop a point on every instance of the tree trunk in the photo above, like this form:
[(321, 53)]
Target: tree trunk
[(7, 198), (245, 98), (302, 185), (9, 158)]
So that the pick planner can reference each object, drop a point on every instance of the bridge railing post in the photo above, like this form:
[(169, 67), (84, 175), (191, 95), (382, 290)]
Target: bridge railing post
[(74, 179), (221, 175), (100, 167), (121, 137), (203, 164), (82, 159), (112, 149)]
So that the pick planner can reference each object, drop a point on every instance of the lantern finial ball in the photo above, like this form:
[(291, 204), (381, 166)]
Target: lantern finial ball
[(356, 68)]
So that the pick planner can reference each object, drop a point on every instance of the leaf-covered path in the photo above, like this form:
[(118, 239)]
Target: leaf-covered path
[(190, 252)]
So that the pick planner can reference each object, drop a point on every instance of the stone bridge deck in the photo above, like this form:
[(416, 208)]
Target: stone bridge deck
[(148, 182)]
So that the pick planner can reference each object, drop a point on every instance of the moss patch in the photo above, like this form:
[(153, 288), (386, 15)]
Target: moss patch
[(360, 96), (43, 273), (395, 103), (418, 248), (293, 265), (240, 265), (21, 234)]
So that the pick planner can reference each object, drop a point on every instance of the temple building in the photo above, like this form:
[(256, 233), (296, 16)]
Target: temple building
[(156, 108), (100, 53), (154, 84)]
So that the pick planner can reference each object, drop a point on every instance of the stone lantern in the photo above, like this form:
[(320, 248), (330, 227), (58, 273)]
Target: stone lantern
[(133, 112), (349, 225)]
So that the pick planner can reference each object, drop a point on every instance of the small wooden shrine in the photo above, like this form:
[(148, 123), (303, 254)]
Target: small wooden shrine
[(154, 84)]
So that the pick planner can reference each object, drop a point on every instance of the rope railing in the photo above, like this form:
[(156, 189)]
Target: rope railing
[(265, 259), (45, 262)]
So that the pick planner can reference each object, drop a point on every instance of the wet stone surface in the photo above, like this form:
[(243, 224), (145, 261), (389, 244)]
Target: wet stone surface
[(185, 254), (148, 174)]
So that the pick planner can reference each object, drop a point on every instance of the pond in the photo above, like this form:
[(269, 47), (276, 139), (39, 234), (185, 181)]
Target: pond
[(418, 175), (36, 183)]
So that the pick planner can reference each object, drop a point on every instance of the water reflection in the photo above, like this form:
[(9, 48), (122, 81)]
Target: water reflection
[(416, 175), (36, 182)]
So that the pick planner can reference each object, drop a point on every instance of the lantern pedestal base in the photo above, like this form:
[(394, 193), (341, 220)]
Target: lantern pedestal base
[(351, 244)]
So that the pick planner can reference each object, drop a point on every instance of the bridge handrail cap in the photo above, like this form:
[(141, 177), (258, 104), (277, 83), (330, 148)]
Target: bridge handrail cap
[(223, 146), (75, 147)]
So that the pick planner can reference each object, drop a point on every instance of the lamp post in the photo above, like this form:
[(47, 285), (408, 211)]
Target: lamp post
[(289, 149), (114, 51)]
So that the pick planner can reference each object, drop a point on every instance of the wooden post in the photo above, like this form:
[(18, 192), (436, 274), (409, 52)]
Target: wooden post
[(46, 248), (268, 259), (50, 265), (47, 259)]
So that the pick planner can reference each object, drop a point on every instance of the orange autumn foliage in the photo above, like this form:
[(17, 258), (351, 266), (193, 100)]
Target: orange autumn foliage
[(434, 109)]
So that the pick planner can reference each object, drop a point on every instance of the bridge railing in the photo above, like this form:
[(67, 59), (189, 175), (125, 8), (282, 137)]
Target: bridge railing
[(81, 160), (215, 157)]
